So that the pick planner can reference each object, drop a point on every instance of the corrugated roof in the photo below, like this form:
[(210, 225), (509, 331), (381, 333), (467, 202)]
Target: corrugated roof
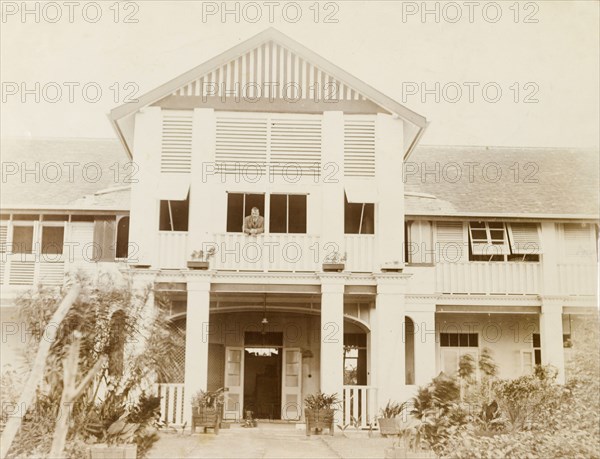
[(58, 173), (507, 180), (549, 182)]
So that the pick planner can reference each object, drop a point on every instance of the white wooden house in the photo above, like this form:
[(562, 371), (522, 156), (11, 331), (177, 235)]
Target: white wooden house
[(434, 268)]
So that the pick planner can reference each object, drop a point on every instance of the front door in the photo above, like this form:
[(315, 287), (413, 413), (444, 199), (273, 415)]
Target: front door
[(291, 389), (234, 383)]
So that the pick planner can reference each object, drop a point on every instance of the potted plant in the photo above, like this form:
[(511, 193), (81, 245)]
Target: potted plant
[(123, 436), (206, 409), (389, 420), (320, 411), (199, 259), (334, 262)]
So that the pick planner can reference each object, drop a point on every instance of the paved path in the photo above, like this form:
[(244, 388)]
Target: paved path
[(269, 441)]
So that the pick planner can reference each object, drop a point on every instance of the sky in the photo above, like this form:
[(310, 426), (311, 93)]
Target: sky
[(482, 73)]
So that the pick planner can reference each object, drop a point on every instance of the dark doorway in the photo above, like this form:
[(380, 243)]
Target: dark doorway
[(262, 374)]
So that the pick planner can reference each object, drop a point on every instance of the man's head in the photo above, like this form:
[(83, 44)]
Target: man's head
[(255, 212)]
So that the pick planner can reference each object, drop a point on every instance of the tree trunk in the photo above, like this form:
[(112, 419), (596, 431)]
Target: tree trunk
[(37, 371)]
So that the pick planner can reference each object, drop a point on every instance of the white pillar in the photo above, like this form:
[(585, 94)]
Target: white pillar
[(549, 258), (332, 190), (390, 313), (551, 334), (196, 339), (143, 231), (390, 208), (201, 226), (423, 316), (332, 334)]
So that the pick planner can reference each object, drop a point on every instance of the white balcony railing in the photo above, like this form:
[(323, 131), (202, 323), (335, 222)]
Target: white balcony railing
[(171, 403), (267, 252), (360, 252), (578, 279), (172, 249), (360, 405), (488, 278)]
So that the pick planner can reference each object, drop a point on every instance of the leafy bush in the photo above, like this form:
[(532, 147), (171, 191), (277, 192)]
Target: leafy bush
[(114, 321), (393, 409)]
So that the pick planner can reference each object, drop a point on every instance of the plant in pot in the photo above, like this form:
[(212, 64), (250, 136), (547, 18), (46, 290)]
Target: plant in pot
[(319, 412), (390, 421), (334, 262), (199, 258), (206, 409), (130, 435)]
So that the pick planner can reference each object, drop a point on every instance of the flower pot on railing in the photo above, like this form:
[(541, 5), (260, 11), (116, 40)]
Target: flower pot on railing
[(334, 262), (199, 259), (197, 264), (333, 267)]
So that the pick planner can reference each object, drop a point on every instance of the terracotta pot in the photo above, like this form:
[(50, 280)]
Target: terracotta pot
[(389, 426), (319, 419), (333, 267), (103, 451), (197, 264), (207, 418)]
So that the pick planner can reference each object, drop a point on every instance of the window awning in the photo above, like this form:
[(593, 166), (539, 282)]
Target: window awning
[(173, 187), (361, 191)]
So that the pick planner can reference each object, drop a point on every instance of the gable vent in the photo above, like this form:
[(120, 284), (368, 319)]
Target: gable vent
[(241, 145), (295, 146), (176, 147), (359, 147), (257, 143)]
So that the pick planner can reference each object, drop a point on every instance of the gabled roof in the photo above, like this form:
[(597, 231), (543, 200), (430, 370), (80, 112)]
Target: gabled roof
[(564, 185), (119, 114)]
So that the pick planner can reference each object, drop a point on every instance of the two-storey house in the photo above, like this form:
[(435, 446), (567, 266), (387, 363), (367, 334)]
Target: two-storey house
[(435, 265)]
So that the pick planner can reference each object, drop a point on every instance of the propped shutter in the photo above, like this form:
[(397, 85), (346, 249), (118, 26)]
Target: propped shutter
[(241, 145), (295, 146), (359, 147), (176, 149), (580, 244), (524, 238), (450, 241), (104, 239)]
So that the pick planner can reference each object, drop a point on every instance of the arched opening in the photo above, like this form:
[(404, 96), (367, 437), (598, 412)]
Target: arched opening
[(122, 238), (355, 354), (409, 351)]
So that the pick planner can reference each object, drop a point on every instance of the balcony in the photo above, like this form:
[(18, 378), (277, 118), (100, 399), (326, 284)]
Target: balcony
[(268, 252), (485, 278), (578, 278)]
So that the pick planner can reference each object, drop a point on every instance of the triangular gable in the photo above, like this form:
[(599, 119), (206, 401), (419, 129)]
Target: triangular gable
[(292, 70), (270, 71)]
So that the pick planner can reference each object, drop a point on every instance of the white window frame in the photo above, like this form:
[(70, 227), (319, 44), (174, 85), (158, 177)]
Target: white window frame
[(488, 242)]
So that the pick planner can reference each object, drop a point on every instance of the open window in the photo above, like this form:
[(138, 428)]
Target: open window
[(287, 213), (174, 215), (355, 359), (359, 218), (498, 241), (22, 238), (239, 206), (52, 240)]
